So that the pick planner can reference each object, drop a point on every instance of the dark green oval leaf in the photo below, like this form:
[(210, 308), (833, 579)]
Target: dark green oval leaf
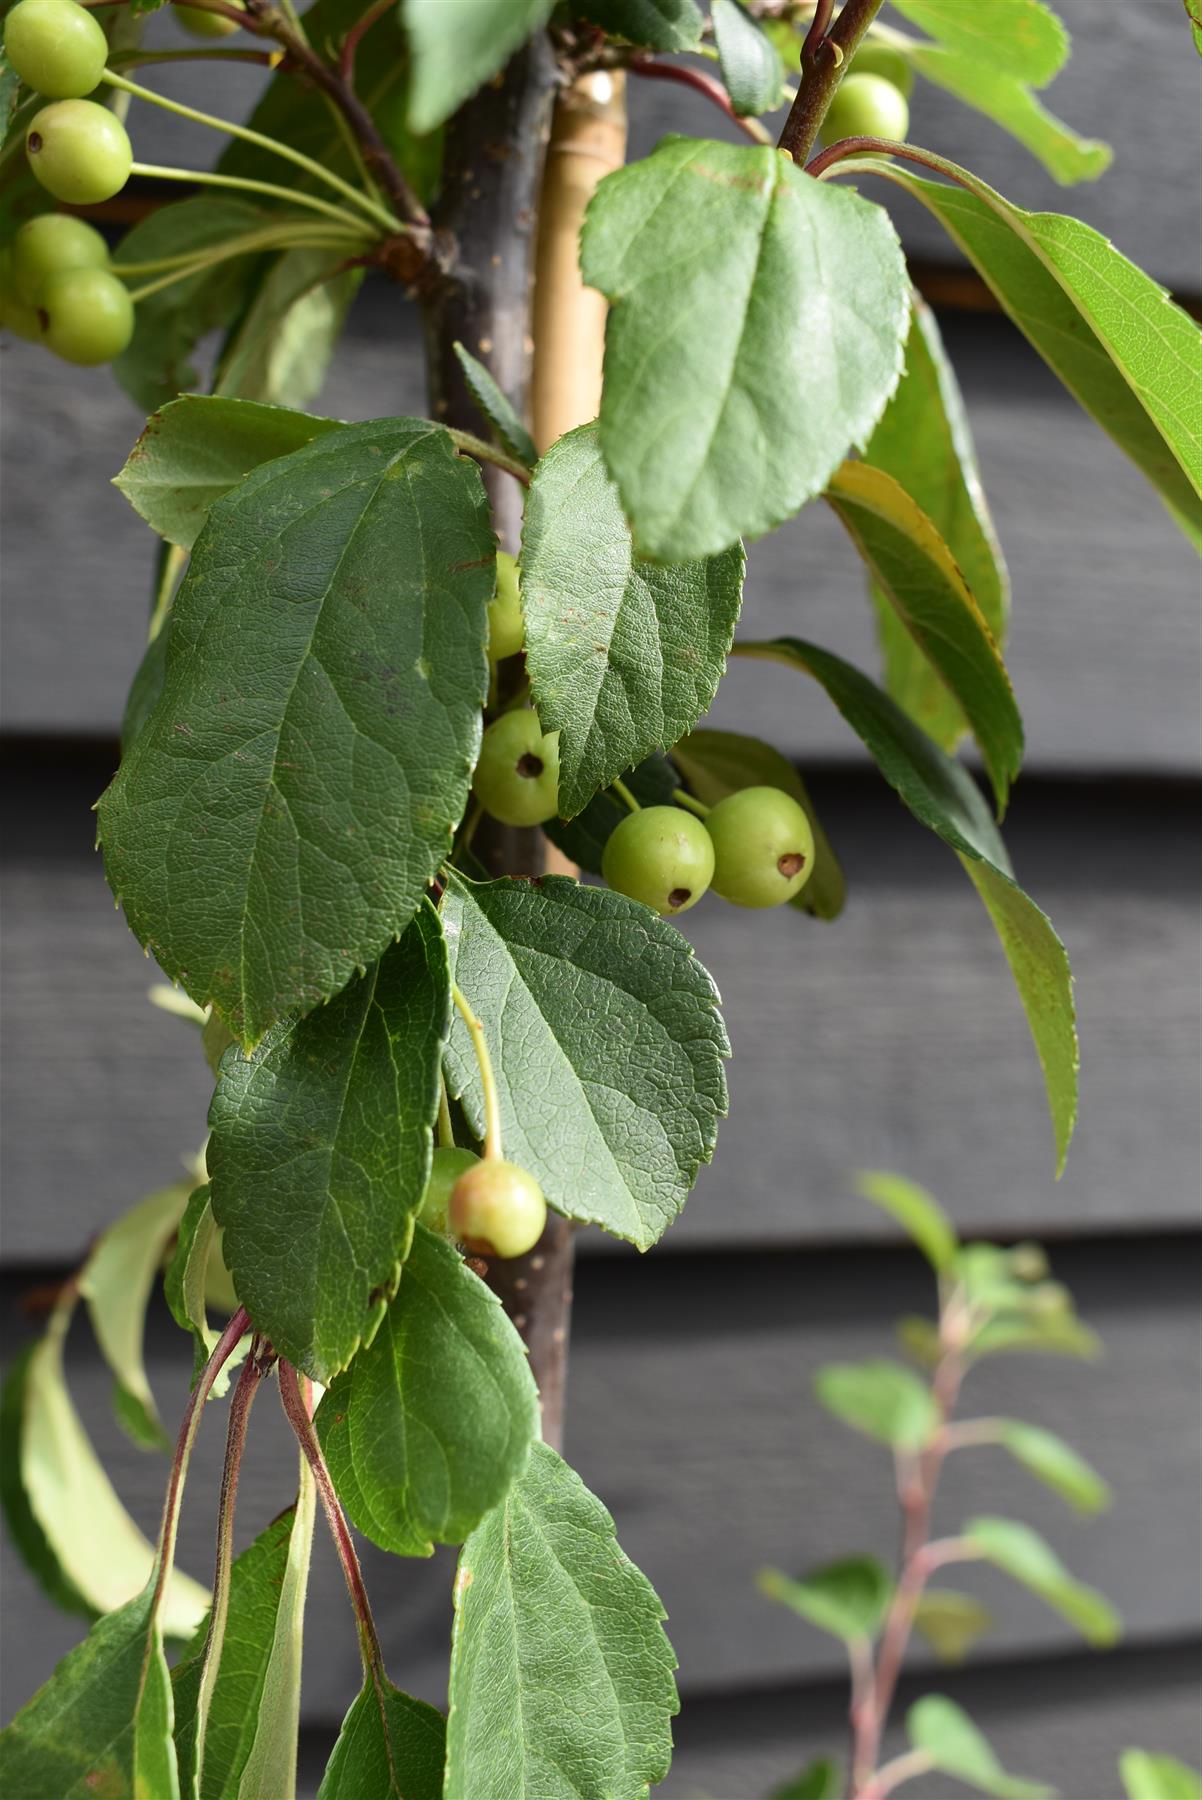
[(455, 48), (510, 433), (652, 24), (391, 1747), (751, 69)]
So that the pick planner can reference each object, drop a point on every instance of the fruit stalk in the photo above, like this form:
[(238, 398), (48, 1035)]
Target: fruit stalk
[(821, 73)]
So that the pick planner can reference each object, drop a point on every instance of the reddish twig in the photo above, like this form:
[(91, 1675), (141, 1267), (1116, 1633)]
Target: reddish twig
[(701, 83), (823, 72), (358, 30)]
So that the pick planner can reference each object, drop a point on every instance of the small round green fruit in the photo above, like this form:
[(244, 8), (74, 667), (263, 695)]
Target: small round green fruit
[(506, 633), (866, 106), (87, 316), (50, 245), (56, 46), (79, 151), (873, 58), (446, 1166), (517, 776), (16, 315), (497, 1209), (203, 24), (662, 856), (763, 847)]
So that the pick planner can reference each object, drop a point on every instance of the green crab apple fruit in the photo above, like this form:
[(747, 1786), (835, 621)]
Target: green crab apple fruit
[(506, 633), (79, 151), (497, 1209), (446, 1166), (882, 59), (56, 46), (16, 315), (662, 856), (866, 106), (207, 24), (87, 316), (763, 847), (517, 776), (50, 245)]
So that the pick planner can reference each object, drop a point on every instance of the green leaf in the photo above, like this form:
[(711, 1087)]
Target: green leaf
[(916, 572), (624, 655), (510, 433), (430, 1425), (717, 763), (253, 1715), (1147, 1776), (1056, 1335), (583, 839), (950, 1622), (606, 1042), (561, 1675), (457, 46), (945, 1732), (882, 1399), (821, 1780), (944, 797), (390, 1748), (172, 322), (848, 1599), (281, 346), (652, 24), (751, 69), (1025, 1556), (116, 1281), (310, 756), (918, 1213), (320, 1153), (1193, 10), (923, 441), (750, 313), (102, 1723), (1009, 102), (1023, 37), (85, 1549), (188, 1285), (197, 448), (1056, 1464), (30, 1540), (1110, 333)]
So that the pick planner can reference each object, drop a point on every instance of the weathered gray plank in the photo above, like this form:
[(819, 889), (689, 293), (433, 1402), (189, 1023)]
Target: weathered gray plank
[(690, 1414), (891, 1038)]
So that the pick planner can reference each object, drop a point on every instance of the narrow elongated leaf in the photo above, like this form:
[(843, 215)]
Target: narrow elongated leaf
[(561, 975), (1147, 1776), (1024, 37), (510, 432), (652, 24), (748, 314), (31, 1542), (923, 441), (942, 794), (304, 769), (1023, 1554), (1010, 103), (197, 448), (195, 1279), (918, 1213), (583, 839), (281, 346), (457, 45), (102, 1723), (86, 1545), (882, 1399), (624, 655), (950, 1622), (916, 572), (251, 1729), (1110, 333), (821, 1780), (751, 69), (561, 1675), (717, 763), (320, 1153), (945, 1732), (427, 1429), (391, 1747), (848, 1599), (1055, 1463), (116, 1282)]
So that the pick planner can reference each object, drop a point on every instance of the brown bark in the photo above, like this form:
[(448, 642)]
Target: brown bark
[(493, 200)]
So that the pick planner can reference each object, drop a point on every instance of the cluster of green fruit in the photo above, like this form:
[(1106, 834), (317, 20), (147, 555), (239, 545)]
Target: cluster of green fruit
[(56, 287), (755, 848), (872, 100)]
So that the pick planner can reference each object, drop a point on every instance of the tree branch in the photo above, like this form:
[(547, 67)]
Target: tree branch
[(822, 71)]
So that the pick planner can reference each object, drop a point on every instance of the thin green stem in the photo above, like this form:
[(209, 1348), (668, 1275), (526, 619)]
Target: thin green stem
[(171, 566), (470, 445), (131, 59), (243, 184), (625, 796), (683, 798), (246, 243), (488, 1083), (224, 254), (379, 214), (446, 1130)]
